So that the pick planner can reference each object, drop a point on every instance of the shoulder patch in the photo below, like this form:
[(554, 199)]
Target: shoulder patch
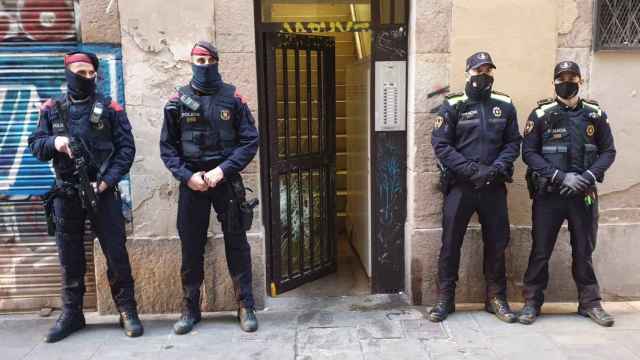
[(46, 105), (455, 98), (544, 107), (546, 101), (242, 98), (593, 105), (500, 96), (453, 95), (115, 106)]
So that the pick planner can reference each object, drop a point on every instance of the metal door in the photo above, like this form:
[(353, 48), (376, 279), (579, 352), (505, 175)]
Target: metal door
[(300, 84)]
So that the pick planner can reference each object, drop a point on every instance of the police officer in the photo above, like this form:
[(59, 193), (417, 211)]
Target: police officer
[(82, 118), (476, 140), (568, 147), (208, 137)]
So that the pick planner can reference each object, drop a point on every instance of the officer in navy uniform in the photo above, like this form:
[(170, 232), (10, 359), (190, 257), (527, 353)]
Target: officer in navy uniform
[(568, 147), (208, 137), (476, 140), (83, 115)]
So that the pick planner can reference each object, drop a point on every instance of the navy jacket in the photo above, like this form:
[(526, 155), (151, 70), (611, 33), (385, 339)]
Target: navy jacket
[(120, 139), (468, 132), (232, 160)]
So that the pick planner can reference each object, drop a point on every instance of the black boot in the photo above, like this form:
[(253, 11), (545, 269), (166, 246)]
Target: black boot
[(441, 310), (500, 308), (131, 324), (248, 320), (68, 323), (598, 315), (529, 314), (187, 321)]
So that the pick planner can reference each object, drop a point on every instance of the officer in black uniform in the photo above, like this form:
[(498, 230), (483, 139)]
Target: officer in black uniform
[(208, 137), (568, 147), (76, 128), (476, 140)]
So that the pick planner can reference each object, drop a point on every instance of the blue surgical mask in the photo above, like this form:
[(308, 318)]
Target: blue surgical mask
[(206, 78)]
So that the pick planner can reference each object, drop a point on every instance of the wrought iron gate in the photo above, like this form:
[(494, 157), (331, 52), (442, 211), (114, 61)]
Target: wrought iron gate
[(300, 84)]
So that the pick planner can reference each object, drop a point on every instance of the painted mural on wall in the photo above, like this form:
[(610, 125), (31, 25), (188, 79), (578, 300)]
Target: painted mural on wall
[(37, 20)]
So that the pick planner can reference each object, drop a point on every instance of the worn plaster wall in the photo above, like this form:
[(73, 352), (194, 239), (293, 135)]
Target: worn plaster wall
[(157, 37), (432, 46), (99, 21)]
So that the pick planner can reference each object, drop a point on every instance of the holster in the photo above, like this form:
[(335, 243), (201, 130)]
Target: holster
[(47, 201), (537, 183), (239, 216), (447, 179)]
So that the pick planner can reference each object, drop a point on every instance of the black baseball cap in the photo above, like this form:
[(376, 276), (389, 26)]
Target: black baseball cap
[(566, 66), (478, 59)]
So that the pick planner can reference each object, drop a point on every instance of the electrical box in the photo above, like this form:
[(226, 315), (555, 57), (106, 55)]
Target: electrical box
[(391, 95)]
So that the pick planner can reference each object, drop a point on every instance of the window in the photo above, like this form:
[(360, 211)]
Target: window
[(617, 25)]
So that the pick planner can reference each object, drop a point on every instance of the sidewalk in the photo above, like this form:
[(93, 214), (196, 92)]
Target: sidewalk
[(370, 327)]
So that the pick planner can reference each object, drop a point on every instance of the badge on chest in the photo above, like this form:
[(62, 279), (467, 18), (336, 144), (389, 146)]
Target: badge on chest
[(225, 115), (190, 117)]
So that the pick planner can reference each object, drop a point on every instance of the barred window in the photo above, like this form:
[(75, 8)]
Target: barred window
[(617, 25)]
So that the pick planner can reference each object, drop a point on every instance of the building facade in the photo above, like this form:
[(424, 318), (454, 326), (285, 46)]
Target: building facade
[(344, 94)]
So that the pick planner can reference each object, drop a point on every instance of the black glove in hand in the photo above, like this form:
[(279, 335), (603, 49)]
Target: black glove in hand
[(575, 182), (484, 176), (567, 191)]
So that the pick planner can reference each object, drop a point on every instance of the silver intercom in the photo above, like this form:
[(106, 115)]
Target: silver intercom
[(391, 95)]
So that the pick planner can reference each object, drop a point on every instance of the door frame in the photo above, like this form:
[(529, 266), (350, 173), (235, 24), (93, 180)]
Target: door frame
[(384, 278)]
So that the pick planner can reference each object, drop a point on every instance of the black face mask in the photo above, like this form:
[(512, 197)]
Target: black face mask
[(206, 78), (567, 90), (79, 87), (479, 87)]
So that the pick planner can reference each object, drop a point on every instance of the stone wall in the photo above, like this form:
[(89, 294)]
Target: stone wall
[(157, 38), (99, 21), (430, 61)]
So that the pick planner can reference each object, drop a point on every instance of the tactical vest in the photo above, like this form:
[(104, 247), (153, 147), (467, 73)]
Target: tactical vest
[(569, 139), (95, 134), (207, 128)]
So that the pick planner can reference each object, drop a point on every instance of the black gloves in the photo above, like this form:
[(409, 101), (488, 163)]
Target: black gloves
[(484, 176), (574, 183)]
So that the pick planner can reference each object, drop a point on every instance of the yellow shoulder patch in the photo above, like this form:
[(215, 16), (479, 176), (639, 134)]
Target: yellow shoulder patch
[(500, 96), (456, 99), (541, 110)]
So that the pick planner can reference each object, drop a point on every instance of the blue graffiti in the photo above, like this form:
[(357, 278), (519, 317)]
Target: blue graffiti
[(389, 182)]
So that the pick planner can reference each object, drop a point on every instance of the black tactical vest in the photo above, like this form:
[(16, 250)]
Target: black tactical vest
[(94, 132), (569, 138), (207, 129)]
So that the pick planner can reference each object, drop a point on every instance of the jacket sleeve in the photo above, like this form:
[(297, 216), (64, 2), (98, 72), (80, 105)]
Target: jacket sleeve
[(532, 150), (606, 148), (170, 143), (248, 140), (511, 148), (124, 147), (443, 141), (41, 141)]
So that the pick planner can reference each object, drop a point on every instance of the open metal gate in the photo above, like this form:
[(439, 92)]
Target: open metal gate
[(300, 81)]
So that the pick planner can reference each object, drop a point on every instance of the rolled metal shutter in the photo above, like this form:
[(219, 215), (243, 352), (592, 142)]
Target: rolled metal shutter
[(34, 36)]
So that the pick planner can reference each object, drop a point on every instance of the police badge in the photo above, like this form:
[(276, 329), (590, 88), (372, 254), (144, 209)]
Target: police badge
[(225, 115), (497, 112)]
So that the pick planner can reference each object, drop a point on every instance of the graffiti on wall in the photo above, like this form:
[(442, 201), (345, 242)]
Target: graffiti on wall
[(37, 20)]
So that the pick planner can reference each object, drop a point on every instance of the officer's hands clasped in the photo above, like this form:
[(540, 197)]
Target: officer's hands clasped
[(197, 183), (484, 176), (573, 183), (213, 177)]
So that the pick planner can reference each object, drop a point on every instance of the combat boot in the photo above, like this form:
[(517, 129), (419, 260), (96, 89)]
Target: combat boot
[(598, 315), (69, 322), (131, 324), (441, 310), (528, 314), (248, 320), (187, 321), (500, 308)]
